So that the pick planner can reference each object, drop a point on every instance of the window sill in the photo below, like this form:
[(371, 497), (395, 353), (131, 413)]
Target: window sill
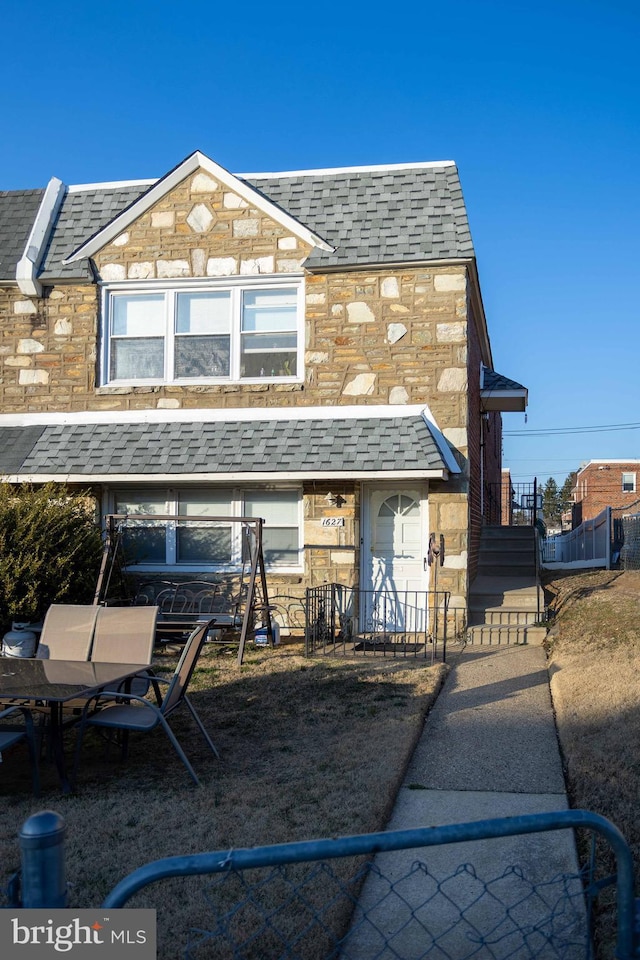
[(121, 389), (201, 568)]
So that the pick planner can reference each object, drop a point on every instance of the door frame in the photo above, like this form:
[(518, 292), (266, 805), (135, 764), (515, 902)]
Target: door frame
[(393, 486)]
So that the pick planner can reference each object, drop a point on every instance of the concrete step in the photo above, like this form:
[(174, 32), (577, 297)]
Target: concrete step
[(508, 533), (494, 635), (505, 601), (502, 617), (506, 568), (514, 586), (500, 554)]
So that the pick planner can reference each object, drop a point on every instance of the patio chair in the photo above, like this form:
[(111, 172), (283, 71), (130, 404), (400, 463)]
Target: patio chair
[(134, 713), (124, 634), (67, 632), (11, 734)]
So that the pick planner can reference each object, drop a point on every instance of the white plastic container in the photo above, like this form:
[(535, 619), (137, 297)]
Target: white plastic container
[(19, 642)]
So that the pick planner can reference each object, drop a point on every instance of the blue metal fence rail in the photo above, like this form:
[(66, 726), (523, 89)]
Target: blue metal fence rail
[(574, 892)]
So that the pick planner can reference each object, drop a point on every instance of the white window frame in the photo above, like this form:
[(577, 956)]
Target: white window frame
[(170, 289), (237, 504), (632, 481)]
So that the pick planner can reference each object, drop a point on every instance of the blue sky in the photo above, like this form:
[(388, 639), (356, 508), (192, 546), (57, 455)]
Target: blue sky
[(538, 104)]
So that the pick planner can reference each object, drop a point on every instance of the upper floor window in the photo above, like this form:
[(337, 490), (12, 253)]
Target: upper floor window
[(231, 332), (628, 483)]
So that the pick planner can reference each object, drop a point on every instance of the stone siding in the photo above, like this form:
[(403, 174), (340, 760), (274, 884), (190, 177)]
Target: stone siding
[(201, 229), (381, 336)]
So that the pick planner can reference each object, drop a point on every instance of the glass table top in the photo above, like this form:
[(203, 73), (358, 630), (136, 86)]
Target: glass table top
[(23, 679)]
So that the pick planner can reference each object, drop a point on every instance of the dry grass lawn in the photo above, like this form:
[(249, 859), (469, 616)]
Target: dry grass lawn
[(310, 748), (595, 670)]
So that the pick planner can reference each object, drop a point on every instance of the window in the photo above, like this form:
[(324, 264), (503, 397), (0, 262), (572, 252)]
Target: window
[(628, 483), (189, 545), (229, 332)]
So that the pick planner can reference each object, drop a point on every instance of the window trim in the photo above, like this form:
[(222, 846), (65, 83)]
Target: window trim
[(171, 288), (237, 493)]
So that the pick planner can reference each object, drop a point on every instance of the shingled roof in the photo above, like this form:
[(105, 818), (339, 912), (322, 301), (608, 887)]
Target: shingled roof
[(18, 209), (213, 449), (373, 215)]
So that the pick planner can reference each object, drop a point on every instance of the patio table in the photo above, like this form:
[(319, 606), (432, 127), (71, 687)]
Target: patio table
[(52, 683)]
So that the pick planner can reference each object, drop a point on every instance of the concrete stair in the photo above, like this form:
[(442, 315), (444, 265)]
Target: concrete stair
[(505, 600)]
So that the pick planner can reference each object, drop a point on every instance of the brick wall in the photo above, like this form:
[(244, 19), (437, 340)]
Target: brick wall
[(599, 485)]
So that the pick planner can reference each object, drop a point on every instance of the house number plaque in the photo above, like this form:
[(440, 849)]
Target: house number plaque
[(333, 521)]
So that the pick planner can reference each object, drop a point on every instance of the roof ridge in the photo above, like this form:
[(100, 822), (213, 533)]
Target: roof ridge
[(370, 168)]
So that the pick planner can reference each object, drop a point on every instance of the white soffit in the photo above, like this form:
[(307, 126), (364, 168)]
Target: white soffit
[(266, 477), (218, 415), (197, 161)]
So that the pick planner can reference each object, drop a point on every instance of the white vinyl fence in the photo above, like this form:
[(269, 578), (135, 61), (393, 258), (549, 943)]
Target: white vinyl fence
[(589, 545)]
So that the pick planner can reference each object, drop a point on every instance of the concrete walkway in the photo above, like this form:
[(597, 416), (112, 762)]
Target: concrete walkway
[(489, 749)]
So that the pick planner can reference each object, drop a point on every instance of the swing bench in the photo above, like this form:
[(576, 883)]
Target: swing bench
[(238, 602)]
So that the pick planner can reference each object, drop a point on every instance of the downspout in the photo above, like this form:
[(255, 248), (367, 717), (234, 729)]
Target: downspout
[(482, 466), (481, 443)]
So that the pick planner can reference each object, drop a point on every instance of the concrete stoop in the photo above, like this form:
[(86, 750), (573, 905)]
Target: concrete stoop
[(486, 634), (505, 600)]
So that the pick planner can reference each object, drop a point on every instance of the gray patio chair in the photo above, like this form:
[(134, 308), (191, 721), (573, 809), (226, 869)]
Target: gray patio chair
[(124, 634), (134, 713), (67, 632), (11, 734)]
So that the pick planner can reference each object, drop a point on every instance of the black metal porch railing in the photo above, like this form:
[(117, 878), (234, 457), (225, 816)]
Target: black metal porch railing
[(346, 621), (512, 504)]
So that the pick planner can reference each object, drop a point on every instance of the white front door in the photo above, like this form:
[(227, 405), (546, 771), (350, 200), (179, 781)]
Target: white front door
[(395, 542)]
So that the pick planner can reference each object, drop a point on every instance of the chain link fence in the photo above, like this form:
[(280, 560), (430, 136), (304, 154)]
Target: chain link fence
[(400, 895), (355, 898), (625, 536)]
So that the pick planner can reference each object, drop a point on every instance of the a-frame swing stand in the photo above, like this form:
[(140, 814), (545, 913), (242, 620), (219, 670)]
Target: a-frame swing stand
[(232, 609)]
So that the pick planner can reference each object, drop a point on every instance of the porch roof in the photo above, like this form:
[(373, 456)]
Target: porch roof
[(498, 392), (225, 450)]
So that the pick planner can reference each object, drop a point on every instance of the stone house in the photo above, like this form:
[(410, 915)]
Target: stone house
[(310, 347), (605, 483)]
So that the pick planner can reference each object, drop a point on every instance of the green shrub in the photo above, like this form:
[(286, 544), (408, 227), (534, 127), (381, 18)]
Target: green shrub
[(50, 549)]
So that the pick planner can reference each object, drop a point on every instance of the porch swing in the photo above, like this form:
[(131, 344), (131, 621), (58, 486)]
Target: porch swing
[(239, 603)]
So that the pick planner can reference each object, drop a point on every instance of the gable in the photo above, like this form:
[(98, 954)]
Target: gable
[(196, 163), (201, 228)]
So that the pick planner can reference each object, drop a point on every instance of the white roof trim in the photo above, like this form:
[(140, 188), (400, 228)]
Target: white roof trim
[(267, 477), (617, 462), (373, 168), (27, 268), (110, 185), (195, 162), (441, 441), (497, 392), (217, 415)]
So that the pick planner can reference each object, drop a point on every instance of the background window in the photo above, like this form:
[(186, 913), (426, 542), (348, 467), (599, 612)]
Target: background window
[(629, 482)]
